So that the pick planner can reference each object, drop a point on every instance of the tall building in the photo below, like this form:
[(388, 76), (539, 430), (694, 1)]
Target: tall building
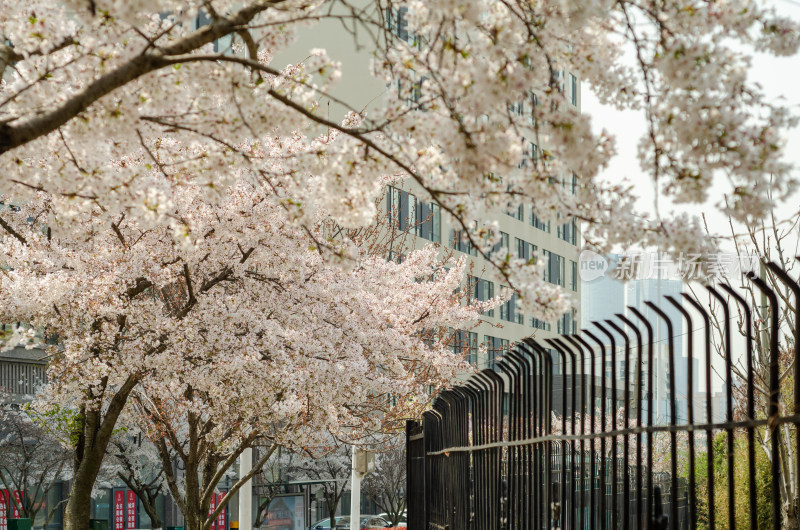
[(606, 296)]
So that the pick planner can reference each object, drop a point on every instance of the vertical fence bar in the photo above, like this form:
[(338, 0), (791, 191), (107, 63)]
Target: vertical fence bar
[(795, 287), (709, 408), (510, 371), (537, 431), (479, 385), (582, 501), (498, 386), (475, 458), (524, 365), (530, 425), (690, 406), (626, 501), (561, 346), (443, 428), (593, 518), (774, 396), (649, 436), (485, 501), (478, 422), (639, 505), (563, 452), (547, 457), (432, 472), (535, 479), (726, 327), (673, 413), (602, 472), (751, 415), (613, 418)]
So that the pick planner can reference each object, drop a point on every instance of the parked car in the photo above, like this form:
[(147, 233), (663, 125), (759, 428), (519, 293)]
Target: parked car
[(325, 524), (368, 522), (402, 523), (372, 522)]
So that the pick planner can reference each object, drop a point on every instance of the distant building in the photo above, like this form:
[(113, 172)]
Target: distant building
[(22, 372), (718, 407), (606, 296)]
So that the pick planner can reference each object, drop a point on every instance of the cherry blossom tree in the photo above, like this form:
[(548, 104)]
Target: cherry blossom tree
[(32, 461), (88, 83), (253, 328)]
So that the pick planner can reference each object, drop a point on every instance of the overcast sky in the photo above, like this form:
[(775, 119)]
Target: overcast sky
[(780, 79)]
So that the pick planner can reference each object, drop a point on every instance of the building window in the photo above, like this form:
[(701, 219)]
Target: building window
[(462, 244), (495, 349), (538, 223), (573, 275), (429, 221), (540, 324), (466, 343), (573, 89), (524, 249), (530, 154), (560, 76), (508, 310), (568, 231), (406, 212), (517, 212), (483, 291), (503, 243), (397, 22), (554, 268), (401, 208), (567, 323)]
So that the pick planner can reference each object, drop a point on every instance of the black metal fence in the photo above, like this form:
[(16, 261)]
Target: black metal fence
[(495, 453)]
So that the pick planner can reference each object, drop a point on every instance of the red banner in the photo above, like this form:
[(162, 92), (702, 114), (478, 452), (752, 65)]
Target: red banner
[(221, 518), (130, 510), (119, 510), (211, 509), (3, 509)]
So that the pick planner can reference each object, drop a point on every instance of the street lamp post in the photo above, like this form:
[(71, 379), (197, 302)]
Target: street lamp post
[(246, 491), (361, 464)]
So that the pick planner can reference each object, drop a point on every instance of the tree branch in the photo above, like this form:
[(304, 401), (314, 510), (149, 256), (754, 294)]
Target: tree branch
[(12, 136), (10, 229)]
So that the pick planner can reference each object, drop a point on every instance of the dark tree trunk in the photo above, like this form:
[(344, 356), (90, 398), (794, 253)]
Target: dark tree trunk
[(148, 496), (93, 430), (152, 513), (79, 504)]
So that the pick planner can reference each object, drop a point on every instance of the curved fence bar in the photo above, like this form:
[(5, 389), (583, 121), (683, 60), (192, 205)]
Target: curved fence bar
[(563, 433)]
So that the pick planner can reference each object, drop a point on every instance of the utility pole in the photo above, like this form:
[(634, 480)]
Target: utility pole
[(361, 464), (246, 491)]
